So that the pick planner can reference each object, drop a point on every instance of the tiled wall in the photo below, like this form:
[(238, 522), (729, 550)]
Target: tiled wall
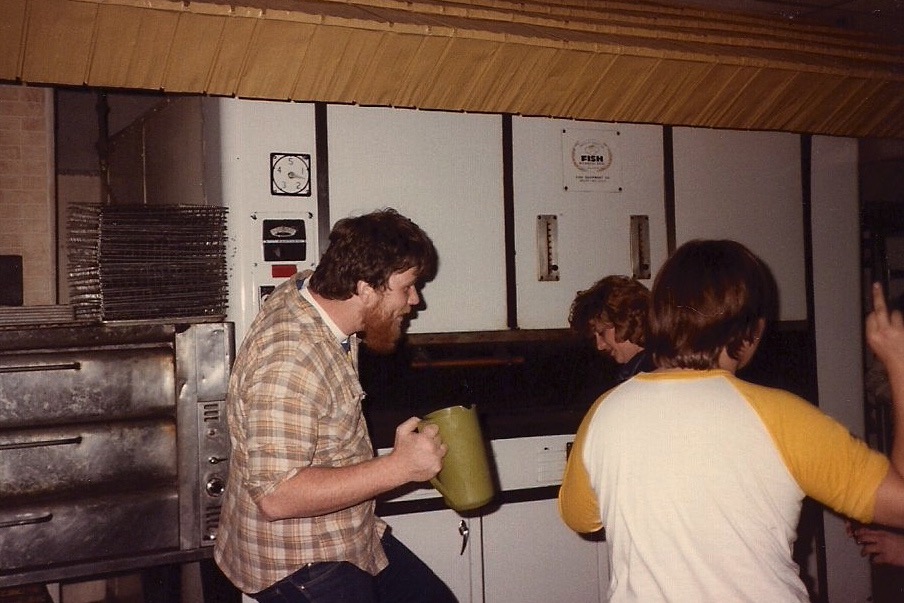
[(27, 196)]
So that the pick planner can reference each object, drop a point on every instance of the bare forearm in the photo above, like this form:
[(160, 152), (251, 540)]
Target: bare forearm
[(313, 491), (319, 490), (885, 336), (896, 384)]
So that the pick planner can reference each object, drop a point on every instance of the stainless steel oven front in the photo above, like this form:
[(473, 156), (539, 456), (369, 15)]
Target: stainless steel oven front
[(113, 446)]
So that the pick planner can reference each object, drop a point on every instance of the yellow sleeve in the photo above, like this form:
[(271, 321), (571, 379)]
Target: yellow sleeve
[(578, 504), (830, 465)]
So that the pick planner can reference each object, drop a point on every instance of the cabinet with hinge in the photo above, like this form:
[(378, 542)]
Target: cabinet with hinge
[(449, 544)]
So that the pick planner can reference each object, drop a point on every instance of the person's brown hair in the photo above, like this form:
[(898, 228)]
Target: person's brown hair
[(371, 248), (709, 295), (614, 300)]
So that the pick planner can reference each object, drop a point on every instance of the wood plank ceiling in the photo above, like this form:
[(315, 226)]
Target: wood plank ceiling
[(581, 59)]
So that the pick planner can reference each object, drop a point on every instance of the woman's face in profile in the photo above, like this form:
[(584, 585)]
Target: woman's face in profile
[(605, 341)]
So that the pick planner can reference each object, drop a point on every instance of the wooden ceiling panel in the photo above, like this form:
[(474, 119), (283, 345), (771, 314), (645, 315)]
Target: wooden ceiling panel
[(232, 47), (319, 75), (510, 76), (274, 59), (57, 41), (455, 76), (196, 42), (622, 86), (557, 92), (757, 103), (582, 93), (421, 75), (337, 65), (797, 100), (735, 100), (12, 31), (706, 92), (391, 61), (876, 107), (683, 85), (832, 111), (698, 87), (581, 59), (131, 47), (536, 94)]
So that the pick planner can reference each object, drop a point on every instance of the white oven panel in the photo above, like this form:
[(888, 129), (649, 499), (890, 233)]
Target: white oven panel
[(265, 159)]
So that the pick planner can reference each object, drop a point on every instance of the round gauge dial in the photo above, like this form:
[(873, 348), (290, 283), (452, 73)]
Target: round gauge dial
[(290, 174)]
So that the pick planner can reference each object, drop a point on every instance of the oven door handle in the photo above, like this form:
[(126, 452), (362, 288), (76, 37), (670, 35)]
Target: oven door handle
[(29, 368), (41, 443), (30, 519)]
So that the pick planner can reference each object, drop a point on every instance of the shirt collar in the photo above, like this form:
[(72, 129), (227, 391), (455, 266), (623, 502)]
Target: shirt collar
[(334, 329)]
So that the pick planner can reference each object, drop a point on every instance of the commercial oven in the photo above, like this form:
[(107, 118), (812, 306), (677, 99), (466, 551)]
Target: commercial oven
[(113, 446)]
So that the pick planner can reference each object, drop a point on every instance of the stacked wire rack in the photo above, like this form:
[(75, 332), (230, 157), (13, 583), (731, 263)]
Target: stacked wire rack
[(146, 262)]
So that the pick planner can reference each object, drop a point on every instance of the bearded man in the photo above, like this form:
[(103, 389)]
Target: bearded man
[(298, 520)]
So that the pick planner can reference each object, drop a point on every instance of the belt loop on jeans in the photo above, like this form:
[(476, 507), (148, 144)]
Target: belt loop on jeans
[(273, 589), (300, 574)]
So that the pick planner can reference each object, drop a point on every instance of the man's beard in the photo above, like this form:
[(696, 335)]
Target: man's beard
[(381, 331)]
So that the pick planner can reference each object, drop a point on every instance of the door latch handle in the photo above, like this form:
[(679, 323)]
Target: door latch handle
[(465, 532)]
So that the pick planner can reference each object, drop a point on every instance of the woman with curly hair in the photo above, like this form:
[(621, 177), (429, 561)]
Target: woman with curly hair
[(613, 313)]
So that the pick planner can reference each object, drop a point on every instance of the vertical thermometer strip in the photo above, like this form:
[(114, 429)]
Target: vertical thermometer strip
[(640, 246), (547, 248)]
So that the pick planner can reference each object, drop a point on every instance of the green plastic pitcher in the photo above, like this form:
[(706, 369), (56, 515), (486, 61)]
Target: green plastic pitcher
[(464, 481)]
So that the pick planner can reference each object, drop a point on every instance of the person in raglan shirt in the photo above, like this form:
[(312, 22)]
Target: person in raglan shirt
[(697, 476), (298, 522)]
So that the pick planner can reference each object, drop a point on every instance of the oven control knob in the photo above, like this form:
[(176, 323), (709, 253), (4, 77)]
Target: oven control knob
[(215, 486)]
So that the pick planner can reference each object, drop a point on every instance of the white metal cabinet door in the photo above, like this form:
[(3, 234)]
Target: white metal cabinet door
[(745, 186), (444, 171), (530, 555), (449, 544), (593, 222)]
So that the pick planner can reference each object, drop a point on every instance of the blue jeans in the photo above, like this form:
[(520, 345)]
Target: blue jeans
[(406, 579)]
